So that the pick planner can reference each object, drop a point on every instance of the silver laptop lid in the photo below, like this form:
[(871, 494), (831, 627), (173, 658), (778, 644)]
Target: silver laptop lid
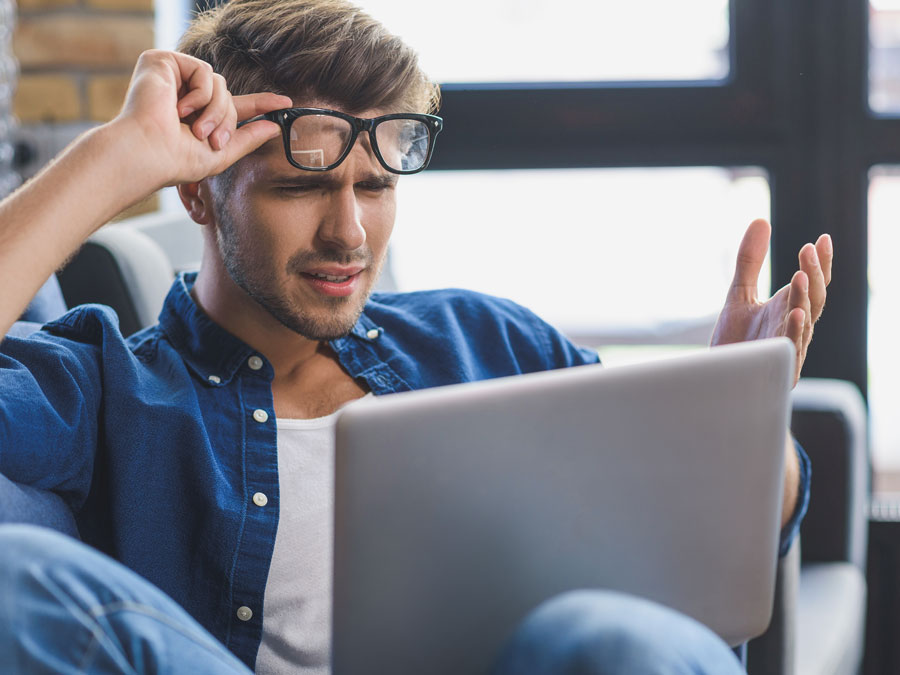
[(459, 509)]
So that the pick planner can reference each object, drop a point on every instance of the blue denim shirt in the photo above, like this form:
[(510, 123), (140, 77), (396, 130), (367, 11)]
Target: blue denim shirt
[(158, 443)]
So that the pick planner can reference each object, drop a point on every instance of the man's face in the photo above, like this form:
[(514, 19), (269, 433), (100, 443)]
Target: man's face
[(307, 246)]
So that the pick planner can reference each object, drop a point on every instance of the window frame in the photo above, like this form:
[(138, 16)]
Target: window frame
[(794, 104)]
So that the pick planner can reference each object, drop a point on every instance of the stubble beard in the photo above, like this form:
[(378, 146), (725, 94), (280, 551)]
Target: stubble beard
[(338, 315)]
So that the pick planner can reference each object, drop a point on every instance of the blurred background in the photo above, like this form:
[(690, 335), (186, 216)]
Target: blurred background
[(600, 158)]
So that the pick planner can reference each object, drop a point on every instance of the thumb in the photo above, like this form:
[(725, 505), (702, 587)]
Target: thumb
[(750, 257)]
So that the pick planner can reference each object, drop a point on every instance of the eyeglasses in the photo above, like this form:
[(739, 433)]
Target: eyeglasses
[(318, 140)]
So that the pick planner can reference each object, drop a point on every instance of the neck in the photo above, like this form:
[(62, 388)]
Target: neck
[(228, 305), (309, 382)]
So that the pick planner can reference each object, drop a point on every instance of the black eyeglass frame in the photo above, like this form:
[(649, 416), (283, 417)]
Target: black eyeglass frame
[(286, 116)]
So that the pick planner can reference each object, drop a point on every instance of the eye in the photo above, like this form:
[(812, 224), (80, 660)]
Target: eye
[(297, 188)]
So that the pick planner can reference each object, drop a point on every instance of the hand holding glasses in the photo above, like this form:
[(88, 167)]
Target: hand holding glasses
[(316, 139)]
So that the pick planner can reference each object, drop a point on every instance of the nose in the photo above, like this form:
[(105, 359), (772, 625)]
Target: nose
[(342, 226)]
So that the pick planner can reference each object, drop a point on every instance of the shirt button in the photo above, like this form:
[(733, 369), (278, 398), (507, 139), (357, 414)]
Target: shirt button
[(215, 379), (260, 499), (373, 333), (244, 613), (255, 362), (260, 415)]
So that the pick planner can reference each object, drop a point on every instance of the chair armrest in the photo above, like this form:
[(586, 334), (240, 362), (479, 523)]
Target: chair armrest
[(829, 421), (774, 652), (123, 268)]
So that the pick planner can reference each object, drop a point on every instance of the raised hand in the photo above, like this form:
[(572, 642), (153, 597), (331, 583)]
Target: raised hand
[(182, 119), (177, 125), (792, 311)]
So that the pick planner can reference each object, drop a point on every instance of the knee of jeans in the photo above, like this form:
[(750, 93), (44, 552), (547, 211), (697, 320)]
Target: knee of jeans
[(578, 631), (598, 608), (604, 631)]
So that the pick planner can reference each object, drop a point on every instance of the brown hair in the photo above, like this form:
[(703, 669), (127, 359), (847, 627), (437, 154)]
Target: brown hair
[(310, 49)]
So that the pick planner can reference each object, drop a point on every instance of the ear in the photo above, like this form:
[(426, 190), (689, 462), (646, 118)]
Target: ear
[(197, 200)]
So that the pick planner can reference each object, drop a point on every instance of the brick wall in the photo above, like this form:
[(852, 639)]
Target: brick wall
[(75, 59)]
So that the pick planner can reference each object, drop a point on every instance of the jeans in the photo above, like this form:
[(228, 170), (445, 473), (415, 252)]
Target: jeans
[(65, 608)]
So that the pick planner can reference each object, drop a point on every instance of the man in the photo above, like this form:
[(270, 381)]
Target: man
[(182, 449)]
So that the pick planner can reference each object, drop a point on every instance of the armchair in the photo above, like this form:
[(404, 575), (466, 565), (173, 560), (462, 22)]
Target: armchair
[(818, 624)]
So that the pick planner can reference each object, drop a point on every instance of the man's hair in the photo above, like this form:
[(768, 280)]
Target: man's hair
[(328, 50)]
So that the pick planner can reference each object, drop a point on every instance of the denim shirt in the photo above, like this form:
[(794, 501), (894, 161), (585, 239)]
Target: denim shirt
[(160, 441)]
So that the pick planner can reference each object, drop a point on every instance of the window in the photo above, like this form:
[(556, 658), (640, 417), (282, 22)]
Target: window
[(608, 255), (882, 239), (884, 317), (788, 96), (884, 56), (568, 41)]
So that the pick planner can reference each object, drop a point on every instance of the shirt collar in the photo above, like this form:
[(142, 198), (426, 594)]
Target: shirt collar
[(211, 352), (214, 354)]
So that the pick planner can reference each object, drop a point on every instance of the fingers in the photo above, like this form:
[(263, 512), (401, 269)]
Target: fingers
[(806, 294), (256, 104), (197, 78), (207, 96), (795, 329), (799, 321), (183, 119), (795, 326), (798, 324), (222, 134), (217, 112), (815, 261), (825, 249), (810, 265), (750, 257), (217, 120), (249, 137), (220, 113)]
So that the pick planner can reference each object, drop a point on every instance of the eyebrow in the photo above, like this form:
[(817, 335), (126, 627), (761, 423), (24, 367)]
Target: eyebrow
[(327, 181), (382, 179)]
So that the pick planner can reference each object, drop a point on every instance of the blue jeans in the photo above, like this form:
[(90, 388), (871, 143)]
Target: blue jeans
[(65, 608)]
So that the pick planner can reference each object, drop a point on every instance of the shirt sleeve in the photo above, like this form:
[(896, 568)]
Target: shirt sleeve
[(49, 403), (792, 527), (558, 350)]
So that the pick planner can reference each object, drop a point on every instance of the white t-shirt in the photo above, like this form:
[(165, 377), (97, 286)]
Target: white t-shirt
[(297, 605)]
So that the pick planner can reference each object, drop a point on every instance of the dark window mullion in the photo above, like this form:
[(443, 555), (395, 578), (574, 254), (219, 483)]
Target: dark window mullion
[(879, 140), (552, 127), (819, 182), (794, 104), (568, 125)]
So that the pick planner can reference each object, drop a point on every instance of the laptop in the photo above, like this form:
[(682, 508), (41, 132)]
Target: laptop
[(459, 509)]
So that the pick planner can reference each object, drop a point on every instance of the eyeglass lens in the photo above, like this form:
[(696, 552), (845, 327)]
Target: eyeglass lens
[(319, 140)]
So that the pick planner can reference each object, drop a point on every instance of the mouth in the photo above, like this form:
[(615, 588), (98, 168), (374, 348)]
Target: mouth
[(330, 277), (334, 282)]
